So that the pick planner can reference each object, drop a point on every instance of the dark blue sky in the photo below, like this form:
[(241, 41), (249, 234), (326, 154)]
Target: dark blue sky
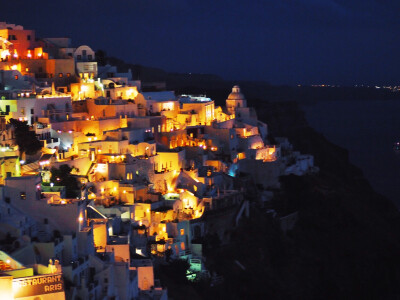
[(280, 41)]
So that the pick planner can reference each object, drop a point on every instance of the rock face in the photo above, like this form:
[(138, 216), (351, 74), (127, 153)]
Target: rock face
[(345, 243)]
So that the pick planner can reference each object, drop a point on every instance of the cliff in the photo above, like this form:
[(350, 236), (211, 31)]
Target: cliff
[(346, 242), (344, 245)]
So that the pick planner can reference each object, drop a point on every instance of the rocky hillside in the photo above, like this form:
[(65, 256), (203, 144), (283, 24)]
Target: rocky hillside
[(346, 243)]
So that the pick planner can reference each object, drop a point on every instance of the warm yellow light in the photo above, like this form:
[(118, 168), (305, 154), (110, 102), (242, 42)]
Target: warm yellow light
[(131, 93), (80, 219), (4, 54), (115, 189), (124, 192)]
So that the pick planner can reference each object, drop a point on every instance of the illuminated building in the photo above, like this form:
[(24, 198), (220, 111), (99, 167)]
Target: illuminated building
[(33, 108), (20, 39), (236, 100), (18, 281), (196, 110), (85, 62), (155, 170)]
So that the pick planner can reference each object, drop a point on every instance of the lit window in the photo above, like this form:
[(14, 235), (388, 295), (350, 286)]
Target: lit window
[(60, 75), (182, 231), (23, 195), (68, 74), (183, 246), (16, 77)]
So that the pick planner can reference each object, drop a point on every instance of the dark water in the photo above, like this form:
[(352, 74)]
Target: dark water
[(368, 130)]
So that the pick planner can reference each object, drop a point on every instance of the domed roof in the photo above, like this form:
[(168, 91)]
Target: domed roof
[(236, 94)]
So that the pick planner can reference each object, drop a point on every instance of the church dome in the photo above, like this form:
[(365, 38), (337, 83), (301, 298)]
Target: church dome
[(236, 94)]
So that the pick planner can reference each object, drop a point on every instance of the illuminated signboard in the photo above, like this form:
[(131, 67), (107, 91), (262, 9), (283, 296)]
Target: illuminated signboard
[(37, 285)]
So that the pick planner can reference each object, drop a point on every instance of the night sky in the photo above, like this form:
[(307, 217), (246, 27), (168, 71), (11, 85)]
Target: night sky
[(280, 41)]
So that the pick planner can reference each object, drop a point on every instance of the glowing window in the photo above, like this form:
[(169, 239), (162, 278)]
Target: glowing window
[(183, 246), (16, 77), (60, 75), (182, 231)]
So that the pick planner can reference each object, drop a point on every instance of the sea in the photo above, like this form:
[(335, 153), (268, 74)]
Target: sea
[(367, 129)]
